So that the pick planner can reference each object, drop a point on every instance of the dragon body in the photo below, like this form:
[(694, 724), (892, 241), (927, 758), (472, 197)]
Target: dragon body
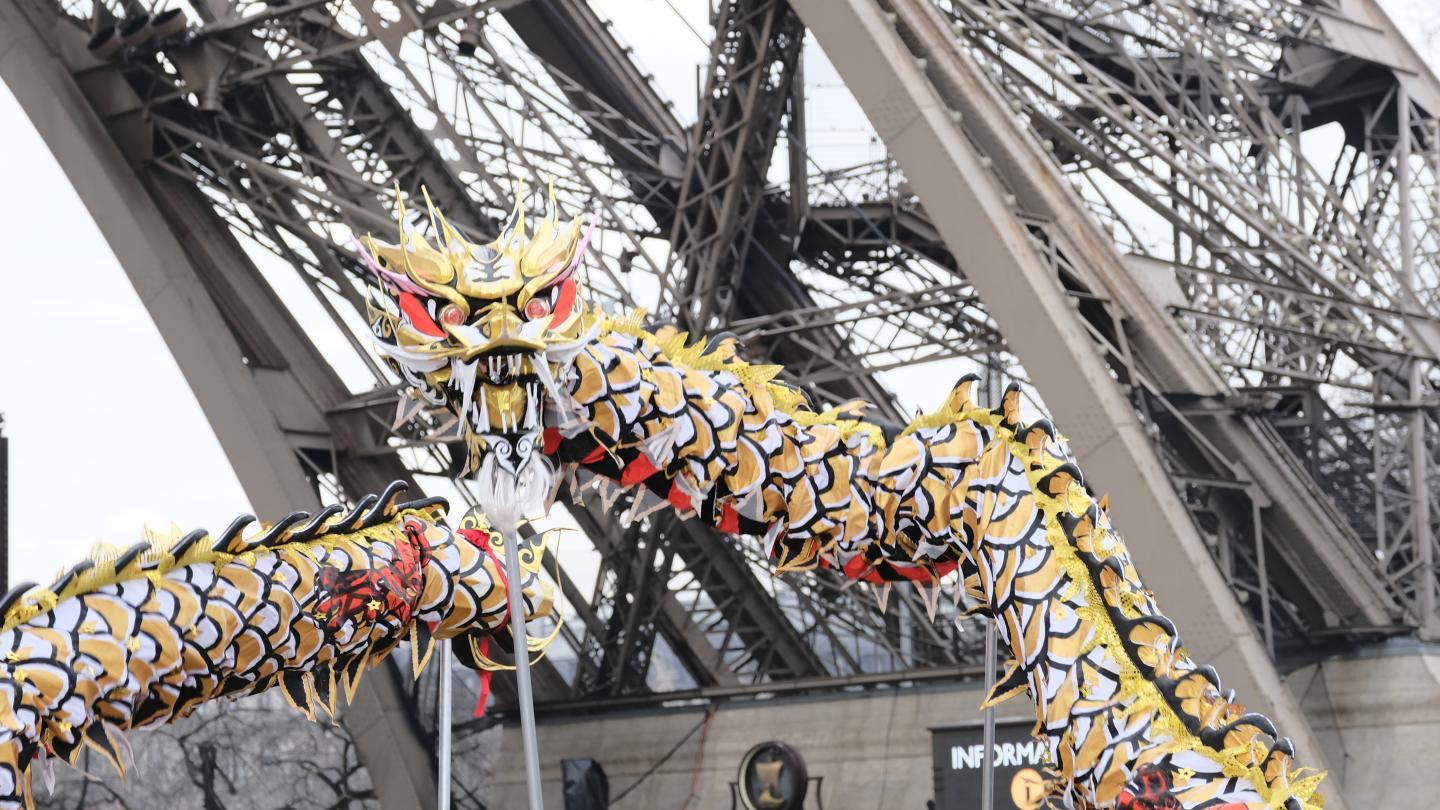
[(1129, 719), (538, 388), (134, 638)]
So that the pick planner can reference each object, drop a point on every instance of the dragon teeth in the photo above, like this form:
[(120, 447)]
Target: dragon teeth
[(530, 397)]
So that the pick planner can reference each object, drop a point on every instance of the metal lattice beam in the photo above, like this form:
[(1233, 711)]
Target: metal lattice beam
[(193, 279)]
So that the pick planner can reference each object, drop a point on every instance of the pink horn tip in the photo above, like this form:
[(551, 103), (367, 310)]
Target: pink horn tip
[(398, 280), (584, 241)]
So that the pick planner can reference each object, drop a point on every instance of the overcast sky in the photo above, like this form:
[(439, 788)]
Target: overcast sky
[(105, 436)]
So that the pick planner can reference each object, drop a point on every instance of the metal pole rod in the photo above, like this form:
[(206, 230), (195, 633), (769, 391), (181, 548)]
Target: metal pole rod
[(1263, 574), (987, 776), (1419, 462), (1378, 455), (514, 576), (443, 754), (4, 506)]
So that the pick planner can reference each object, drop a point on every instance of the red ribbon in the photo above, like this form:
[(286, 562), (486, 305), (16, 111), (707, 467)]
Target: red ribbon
[(485, 676), (481, 540)]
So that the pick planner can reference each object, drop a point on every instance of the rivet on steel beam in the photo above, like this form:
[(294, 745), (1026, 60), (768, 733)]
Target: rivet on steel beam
[(168, 24), (136, 31), (469, 38), (212, 100), (105, 43)]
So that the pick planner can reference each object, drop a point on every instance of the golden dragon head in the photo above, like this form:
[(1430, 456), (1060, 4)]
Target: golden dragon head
[(473, 327)]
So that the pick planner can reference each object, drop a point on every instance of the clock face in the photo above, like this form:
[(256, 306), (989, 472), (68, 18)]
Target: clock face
[(772, 777)]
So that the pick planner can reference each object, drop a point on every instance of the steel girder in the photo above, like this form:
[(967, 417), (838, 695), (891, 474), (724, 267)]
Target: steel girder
[(1292, 267), (1202, 455), (753, 59), (390, 135), (753, 633), (1294, 278), (380, 138), (650, 148), (633, 592), (730, 241), (913, 104), (636, 127), (195, 280), (758, 640)]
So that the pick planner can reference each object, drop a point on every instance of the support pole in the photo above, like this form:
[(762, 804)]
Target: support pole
[(1419, 455), (514, 576), (444, 747), (1262, 573), (987, 776), (4, 506)]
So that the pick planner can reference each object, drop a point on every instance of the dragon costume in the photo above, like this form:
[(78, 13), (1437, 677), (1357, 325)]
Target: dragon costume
[(541, 387)]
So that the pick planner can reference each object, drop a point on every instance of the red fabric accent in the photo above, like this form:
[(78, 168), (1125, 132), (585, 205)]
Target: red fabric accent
[(476, 537), (551, 438), (729, 520), (419, 318), (913, 574), (1153, 785), (860, 569), (679, 499), (637, 471), (485, 676), (564, 303), (393, 589), (594, 456)]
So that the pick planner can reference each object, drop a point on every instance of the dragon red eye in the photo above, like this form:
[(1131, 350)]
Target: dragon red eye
[(452, 315), (537, 308)]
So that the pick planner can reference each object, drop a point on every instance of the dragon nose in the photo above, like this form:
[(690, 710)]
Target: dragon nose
[(501, 327), (500, 322)]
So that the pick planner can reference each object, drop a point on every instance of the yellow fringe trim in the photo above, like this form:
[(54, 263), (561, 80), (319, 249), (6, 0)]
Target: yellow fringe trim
[(757, 379), (159, 562)]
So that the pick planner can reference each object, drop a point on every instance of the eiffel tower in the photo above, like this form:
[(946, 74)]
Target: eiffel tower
[(1205, 236)]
